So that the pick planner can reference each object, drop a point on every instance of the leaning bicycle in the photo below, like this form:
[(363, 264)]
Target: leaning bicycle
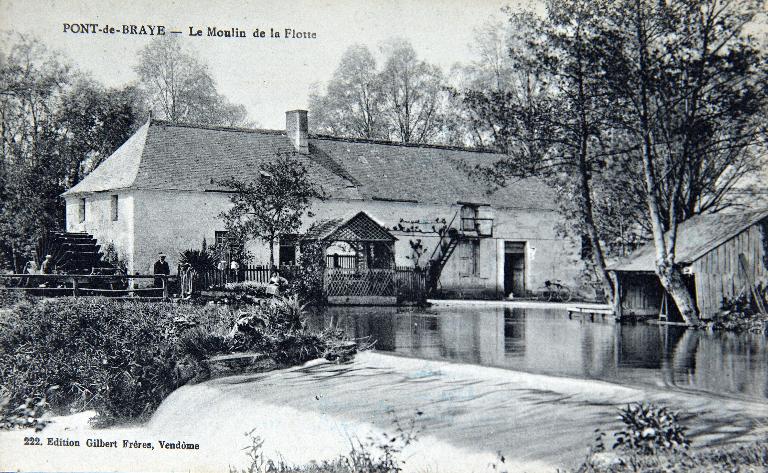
[(554, 291)]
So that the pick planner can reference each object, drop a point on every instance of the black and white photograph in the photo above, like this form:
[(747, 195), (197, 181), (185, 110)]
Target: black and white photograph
[(419, 236)]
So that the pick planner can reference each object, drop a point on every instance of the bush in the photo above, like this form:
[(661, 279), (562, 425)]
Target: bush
[(120, 358), (740, 313), (306, 279), (649, 428)]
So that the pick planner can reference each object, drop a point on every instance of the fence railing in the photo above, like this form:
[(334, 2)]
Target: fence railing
[(408, 284), (341, 261), (117, 285)]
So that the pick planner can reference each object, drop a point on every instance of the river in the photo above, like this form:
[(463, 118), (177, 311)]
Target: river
[(528, 383)]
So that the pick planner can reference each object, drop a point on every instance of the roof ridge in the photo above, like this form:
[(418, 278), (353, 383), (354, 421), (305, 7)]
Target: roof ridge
[(319, 136), (268, 131), (407, 145)]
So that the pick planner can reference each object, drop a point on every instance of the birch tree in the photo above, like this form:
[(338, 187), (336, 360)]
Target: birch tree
[(690, 84)]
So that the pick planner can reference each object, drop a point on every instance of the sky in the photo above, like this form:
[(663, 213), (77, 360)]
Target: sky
[(267, 75)]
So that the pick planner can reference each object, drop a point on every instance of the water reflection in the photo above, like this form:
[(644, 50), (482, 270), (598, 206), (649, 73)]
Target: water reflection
[(546, 341)]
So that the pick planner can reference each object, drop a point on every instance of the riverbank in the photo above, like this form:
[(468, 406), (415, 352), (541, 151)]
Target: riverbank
[(470, 413)]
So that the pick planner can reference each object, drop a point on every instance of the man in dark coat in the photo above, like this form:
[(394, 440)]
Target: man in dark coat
[(161, 267)]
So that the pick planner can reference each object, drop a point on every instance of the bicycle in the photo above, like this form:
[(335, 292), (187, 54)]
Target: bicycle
[(554, 291)]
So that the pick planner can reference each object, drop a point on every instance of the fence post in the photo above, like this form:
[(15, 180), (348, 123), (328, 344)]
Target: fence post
[(165, 287), (74, 287)]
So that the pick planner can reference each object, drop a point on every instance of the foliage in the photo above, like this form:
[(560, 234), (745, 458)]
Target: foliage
[(26, 415), (649, 428), (113, 257), (120, 358), (745, 457), (740, 313), (271, 205), (199, 260), (56, 126), (306, 279), (403, 101), (181, 88), (351, 105)]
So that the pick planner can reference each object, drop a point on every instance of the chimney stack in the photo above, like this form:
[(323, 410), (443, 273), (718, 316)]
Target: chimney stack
[(297, 129)]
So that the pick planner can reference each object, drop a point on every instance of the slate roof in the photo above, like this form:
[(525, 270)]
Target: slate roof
[(696, 237), (161, 155)]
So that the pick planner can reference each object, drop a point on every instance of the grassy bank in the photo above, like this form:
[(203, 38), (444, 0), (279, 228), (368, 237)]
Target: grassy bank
[(743, 457), (122, 358)]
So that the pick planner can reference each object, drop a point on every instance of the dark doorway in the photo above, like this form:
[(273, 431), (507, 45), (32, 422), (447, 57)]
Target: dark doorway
[(514, 268)]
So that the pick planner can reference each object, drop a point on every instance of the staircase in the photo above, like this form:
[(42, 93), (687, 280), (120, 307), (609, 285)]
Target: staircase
[(72, 253)]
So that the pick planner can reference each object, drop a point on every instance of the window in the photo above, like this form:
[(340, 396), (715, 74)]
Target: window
[(114, 208), (468, 216), (81, 211), (288, 245), (220, 239)]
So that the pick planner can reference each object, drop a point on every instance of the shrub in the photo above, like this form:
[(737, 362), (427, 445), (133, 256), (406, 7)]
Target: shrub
[(121, 358), (199, 260), (740, 313), (649, 428), (306, 279)]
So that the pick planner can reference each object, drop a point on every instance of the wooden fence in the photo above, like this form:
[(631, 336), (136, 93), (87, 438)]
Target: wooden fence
[(215, 278), (118, 285), (341, 261)]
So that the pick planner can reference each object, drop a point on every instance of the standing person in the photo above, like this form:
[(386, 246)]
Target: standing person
[(160, 267), (234, 268), (47, 266)]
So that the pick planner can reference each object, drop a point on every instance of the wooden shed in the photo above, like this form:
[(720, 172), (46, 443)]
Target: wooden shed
[(721, 255)]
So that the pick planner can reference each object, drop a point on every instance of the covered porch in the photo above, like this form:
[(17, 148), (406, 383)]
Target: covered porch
[(369, 276)]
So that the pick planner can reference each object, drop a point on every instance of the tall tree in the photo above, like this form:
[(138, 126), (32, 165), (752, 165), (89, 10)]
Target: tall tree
[(690, 82), (413, 94), (351, 105), (552, 123), (31, 84), (180, 87), (272, 205), (95, 121), (55, 126)]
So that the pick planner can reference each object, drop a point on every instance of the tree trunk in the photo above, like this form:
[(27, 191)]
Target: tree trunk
[(672, 281), (271, 253), (669, 274)]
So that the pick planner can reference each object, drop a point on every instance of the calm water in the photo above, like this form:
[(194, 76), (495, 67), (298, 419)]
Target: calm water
[(547, 342)]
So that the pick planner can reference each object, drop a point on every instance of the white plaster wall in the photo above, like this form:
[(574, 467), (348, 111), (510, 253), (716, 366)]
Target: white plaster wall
[(98, 220), (173, 221)]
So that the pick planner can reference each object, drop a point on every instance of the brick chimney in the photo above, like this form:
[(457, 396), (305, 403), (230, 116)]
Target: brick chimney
[(297, 129)]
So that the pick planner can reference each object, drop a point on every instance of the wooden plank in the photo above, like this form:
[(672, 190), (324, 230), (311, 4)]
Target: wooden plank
[(589, 310), (758, 299)]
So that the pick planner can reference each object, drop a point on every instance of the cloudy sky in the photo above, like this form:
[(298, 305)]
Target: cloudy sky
[(268, 76)]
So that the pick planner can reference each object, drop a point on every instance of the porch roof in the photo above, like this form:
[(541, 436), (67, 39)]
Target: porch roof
[(359, 227)]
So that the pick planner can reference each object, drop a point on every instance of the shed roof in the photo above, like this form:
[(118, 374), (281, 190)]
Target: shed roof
[(162, 155), (359, 227), (696, 237)]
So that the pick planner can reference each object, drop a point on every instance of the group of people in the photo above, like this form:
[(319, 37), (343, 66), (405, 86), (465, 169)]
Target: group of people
[(46, 267), (188, 276)]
